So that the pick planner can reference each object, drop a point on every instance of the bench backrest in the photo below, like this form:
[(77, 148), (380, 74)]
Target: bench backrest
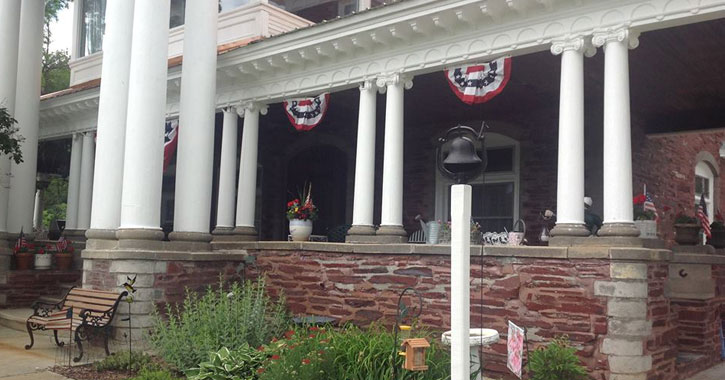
[(89, 299)]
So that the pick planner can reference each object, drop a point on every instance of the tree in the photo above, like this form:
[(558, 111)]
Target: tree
[(55, 72), (10, 139), (54, 199)]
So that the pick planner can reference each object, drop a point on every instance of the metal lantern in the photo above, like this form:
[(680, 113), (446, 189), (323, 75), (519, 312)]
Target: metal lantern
[(461, 153), (415, 354)]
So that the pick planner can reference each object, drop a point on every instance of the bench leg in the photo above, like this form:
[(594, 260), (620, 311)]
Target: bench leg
[(30, 332), (80, 346), (107, 332), (55, 335)]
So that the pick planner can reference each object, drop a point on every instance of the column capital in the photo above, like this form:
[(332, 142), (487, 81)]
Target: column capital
[(368, 84), (229, 109), (580, 44), (252, 107), (618, 34), (385, 80)]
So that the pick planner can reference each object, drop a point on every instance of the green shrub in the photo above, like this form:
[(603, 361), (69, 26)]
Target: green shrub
[(240, 364), (231, 317), (154, 374), (119, 361), (556, 361), (302, 355)]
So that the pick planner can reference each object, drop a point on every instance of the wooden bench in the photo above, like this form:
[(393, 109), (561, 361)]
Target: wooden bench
[(84, 312)]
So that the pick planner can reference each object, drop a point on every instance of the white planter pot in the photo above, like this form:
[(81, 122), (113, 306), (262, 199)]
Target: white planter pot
[(647, 228), (43, 261), (300, 230)]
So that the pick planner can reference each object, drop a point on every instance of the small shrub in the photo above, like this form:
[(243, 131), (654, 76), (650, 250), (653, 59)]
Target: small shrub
[(234, 317), (685, 219), (119, 361), (302, 355), (556, 361), (154, 374), (240, 364)]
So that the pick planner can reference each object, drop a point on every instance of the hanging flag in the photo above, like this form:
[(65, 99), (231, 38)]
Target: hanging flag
[(306, 113), (21, 242), (479, 83), (61, 245), (171, 137), (515, 346), (649, 205), (702, 216)]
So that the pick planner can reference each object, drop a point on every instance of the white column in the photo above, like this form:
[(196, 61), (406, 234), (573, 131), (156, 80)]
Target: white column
[(143, 158), (227, 173), (391, 219), (27, 108), (9, 37), (618, 218), (85, 194), (570, 173), (38, 210), (364, 196), (74, 182), (247, 190), (195, 155), (363, 5), (111, 132), (460, 277)]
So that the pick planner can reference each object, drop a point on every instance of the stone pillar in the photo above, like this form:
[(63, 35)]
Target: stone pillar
[(143, 158), (195, 157), (85, 194), (227, 174), (111, 132), (618, 217), (391, 219), (9, 34), (38, 210), (27, 113), (247, 189), (363, 5), (363, 204), (74, 182), (570, 173)]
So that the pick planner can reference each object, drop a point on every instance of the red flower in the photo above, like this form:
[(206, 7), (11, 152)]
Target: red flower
[(275, 357), (314, 328), (260, 370), (274, 340), (305, 361), (260, 348), (289, 334), (312, 335)]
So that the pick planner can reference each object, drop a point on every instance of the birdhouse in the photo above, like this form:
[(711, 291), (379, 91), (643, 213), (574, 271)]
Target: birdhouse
[(415, 354)]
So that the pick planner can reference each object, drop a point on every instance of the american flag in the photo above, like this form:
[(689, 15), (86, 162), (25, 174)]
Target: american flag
[(171, 136), (61, 245), (22, 242), (702, 216), (649, 205)]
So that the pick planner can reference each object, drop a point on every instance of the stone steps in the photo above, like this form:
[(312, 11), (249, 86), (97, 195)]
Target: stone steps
[(15, 319)]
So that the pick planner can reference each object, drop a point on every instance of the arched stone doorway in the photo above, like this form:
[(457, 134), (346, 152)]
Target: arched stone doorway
[(326, 168)]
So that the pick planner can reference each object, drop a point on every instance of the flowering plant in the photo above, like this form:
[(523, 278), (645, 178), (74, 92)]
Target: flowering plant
[(302, 211), (26, 247)]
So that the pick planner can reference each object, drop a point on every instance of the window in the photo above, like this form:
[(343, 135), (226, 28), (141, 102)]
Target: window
[(495, 199), (176, 17), (704, 186), (93, 25)]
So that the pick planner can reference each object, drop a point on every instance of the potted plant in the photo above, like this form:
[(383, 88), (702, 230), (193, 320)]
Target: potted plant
[(687, 230), (717, 230), (43, 258), (64, 254), (645, 221), (301, 215), (24, 255)]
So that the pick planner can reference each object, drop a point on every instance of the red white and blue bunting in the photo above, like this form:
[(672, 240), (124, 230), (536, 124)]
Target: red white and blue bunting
[(171, 137), (306, 113), (478, 83)]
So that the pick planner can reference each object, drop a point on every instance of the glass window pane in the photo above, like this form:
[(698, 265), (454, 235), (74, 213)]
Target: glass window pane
[(177, 13), (500, 159), (493, 200), (228, 5), (93, 14)]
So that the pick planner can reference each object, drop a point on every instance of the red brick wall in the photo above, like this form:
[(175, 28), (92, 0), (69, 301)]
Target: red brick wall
[(662, 344), (550, 297), (24, 287)]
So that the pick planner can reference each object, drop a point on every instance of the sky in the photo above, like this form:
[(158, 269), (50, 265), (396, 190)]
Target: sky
[(62, 30)]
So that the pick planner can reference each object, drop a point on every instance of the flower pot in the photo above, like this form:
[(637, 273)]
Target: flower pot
[(300, 230), (43, 262), (718, 238), (24, 261), (647, 228), (63, 261), (687, 234)]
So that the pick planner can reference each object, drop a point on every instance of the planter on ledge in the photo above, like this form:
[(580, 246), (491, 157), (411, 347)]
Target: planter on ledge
[(718, 237), (300, 230), (43, 261), (63, 261), (24, 261), (647, 228), (687, 234)]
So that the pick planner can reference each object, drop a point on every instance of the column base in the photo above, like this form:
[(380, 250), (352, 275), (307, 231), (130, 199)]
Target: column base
[(203, 237), (222, 230), (140, 234), (619, 229), (101, 234), (6, 254), (391, 234), (570, 229), (75, 235), (360, 234)]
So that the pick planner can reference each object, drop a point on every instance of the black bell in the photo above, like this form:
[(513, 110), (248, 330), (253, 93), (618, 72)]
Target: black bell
[(462, 156)]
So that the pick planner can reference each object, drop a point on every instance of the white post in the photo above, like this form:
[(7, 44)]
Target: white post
[(85, 194), (111, 132), (9, 37), (364, 195), (195, 156), (460, 275), (38, 210), (227, 173), (27, 113), (570, 173), (391, 218), (143, 158), (247, 189), (618, 218), (74, 182)]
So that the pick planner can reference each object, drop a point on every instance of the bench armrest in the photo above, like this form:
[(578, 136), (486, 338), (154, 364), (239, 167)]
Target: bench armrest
[(95, 318), (43, 308)]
